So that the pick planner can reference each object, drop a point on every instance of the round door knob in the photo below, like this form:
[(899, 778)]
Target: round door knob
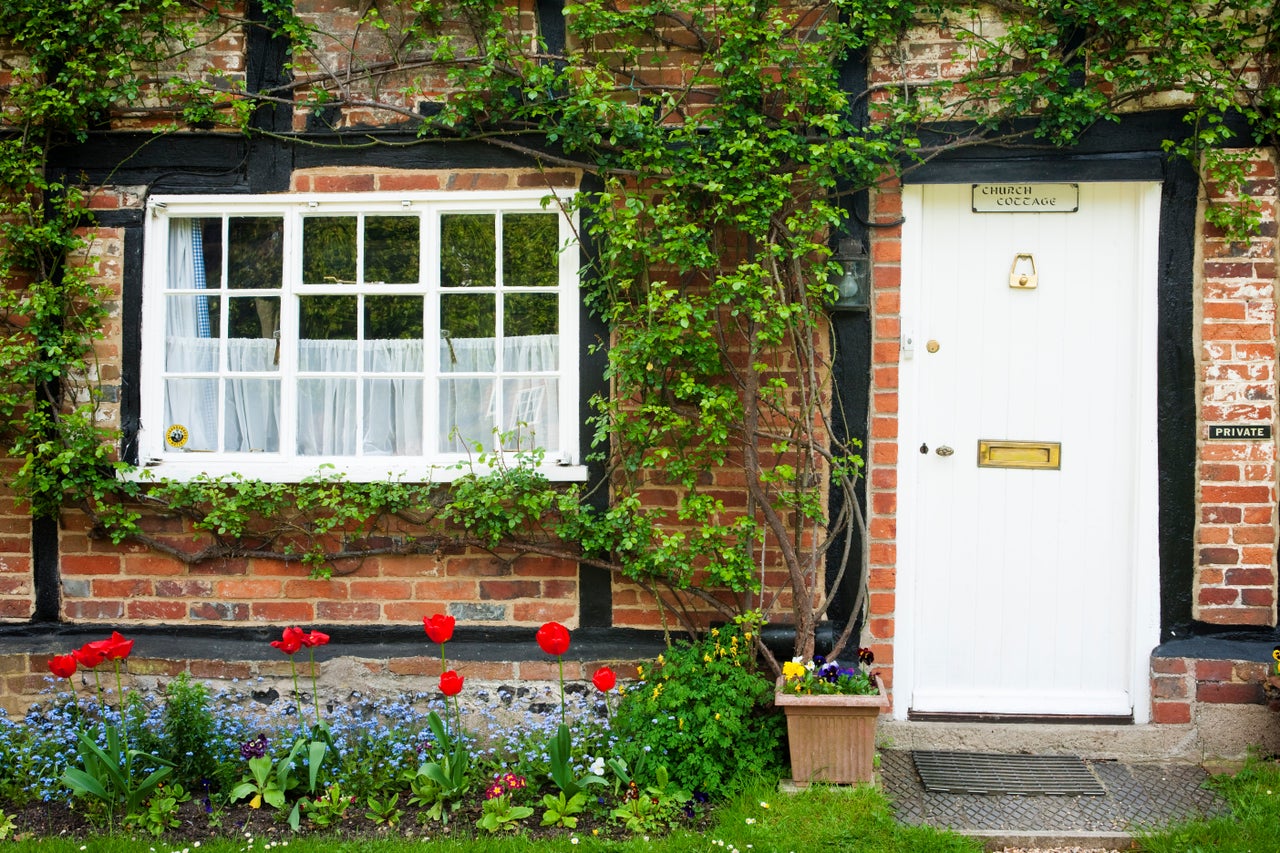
[(943, 450)]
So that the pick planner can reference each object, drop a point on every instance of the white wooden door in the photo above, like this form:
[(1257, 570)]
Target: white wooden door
[(1029, 590)]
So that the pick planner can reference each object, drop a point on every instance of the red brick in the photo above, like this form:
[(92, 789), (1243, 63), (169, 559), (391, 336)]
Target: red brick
[(1250, 577), (169, 611), (251, 589), (220, 611), (1169, 688), (348, 611), (1214, 670), (183, 588), (537, 612), (1263, 597), (379, 590), (1253, 535), (1219, 556), (148, 564), (342, 183), (1170, 713), (123, 588), (78, 565), (1169, 666), (508, 589), (1223, 693), (292, 612), (408, 181), (84, 609)]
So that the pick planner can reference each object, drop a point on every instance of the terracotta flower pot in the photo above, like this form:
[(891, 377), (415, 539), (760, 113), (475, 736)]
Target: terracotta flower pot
[(832, 738)]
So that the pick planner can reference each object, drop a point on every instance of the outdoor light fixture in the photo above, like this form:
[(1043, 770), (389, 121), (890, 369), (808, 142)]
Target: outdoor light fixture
[(853, 280)]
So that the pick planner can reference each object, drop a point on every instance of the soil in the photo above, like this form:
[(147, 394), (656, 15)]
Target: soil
[(45, 820)]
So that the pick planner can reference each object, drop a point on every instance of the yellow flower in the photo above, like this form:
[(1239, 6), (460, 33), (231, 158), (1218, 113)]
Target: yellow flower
[(706, 658), (681, 723), (715, 632), (717, 715), (792, 669), (661, 660), (657, 691)]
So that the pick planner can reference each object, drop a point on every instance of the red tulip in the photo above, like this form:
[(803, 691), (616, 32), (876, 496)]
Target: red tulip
[(553, 638), (63, 666), (115, 647), (439, 627), (604, 679), (315, 638), (290, 641), (450, 683), (89, 655)]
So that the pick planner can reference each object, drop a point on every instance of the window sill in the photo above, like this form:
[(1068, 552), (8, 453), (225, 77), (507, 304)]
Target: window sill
[(295, 471)]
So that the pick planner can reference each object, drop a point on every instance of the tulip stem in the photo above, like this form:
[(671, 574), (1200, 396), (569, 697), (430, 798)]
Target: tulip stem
[(315, 692), (560, 660), (297, 696)]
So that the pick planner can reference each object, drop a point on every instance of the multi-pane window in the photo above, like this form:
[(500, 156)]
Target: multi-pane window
[(377, 335)]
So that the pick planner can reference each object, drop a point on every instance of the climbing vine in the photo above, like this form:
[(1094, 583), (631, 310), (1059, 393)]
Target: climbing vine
[(724, 150)]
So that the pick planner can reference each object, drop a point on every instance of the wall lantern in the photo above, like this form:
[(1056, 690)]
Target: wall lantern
[(853, 279)]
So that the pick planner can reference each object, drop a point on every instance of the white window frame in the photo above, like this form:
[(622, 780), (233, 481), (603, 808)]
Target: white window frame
[(561, 462)]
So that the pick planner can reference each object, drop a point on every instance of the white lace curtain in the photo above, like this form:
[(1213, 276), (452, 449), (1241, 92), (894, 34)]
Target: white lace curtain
[(470, 407)]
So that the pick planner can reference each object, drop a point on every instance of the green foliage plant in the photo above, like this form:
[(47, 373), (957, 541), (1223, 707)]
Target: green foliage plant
[(562, 811), (704, 711), (188, 725), (385, 810), (656, 807), (329, 808), (112, 774), (161, 811), (440, 784)]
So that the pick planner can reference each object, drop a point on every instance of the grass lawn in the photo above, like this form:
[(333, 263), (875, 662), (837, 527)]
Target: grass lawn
[(1254, 794), (761, 821)]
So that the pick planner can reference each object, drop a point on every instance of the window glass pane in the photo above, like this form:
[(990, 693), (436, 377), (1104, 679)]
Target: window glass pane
[(391, 249), (467, 250), (531, 314), (467, 323), (393, 333), (329, 250), (253, 416), (529, 413), (393, 417), (255, 255), (190, 415), (326, 417), (191, 340), (468, 414), (252, 325), (529, 249), (393, 317), (195, 254)]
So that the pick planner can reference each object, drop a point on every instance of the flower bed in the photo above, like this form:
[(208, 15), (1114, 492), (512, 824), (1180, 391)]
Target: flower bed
[(196, 763)]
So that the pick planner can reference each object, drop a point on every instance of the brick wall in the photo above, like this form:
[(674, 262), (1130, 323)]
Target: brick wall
[(1235, 580)]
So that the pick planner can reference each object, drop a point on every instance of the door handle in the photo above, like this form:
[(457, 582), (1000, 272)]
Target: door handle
[(943, 450)]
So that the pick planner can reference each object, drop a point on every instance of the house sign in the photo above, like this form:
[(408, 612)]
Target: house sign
[(1026, 198), (1239, 432)]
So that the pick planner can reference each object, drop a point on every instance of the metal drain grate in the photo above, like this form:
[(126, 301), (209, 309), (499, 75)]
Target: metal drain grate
[(989, 773)]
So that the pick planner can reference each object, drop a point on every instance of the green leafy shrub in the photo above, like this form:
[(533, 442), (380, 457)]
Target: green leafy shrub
[(188, 726), (705, 713)]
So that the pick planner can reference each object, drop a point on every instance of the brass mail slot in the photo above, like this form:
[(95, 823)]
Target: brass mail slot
[(1019, 454)]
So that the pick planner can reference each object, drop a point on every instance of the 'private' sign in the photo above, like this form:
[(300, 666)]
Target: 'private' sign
[(1239, 432)]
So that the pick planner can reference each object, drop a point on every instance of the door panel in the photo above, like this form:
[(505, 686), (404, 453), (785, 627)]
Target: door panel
[(1024, 578)]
